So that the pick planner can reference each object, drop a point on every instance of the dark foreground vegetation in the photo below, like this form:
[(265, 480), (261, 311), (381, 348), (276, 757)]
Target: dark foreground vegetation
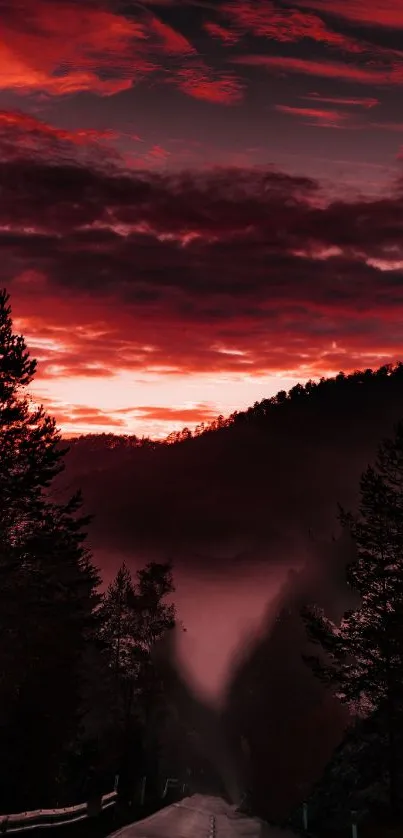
[(287, 461), (89, 687), (80, 700), (359, 658)]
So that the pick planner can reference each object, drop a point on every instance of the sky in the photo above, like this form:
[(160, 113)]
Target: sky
[(201, 202)]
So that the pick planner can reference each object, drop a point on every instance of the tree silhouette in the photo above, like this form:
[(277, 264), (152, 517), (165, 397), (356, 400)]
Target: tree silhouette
[(116, 621), (48, 590), (363, 656), (134, 615), (153, 617)]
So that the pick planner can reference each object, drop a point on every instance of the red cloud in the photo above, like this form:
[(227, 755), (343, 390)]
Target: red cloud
[(225, 35), (86, 48), (370, 12), (165, 274), (323, 118), (199, 82), (158, 152), (366, 74), (362, 102), (198, 413), (173, 41), (264, 19), (22, 134), (26, 124), (67, 52), (83, 415), (297, 342)]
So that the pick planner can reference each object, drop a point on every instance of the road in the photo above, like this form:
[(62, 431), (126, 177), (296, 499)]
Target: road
[(200, 816)]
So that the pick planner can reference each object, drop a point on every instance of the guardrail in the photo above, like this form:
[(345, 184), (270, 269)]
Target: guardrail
[(171, 783), (42, 818), (352, 827)]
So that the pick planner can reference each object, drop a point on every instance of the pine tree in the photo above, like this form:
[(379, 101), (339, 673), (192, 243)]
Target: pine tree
[(152, 615), (116, 621), (153, 618), (362, 658), (48, 589), (135, 615)]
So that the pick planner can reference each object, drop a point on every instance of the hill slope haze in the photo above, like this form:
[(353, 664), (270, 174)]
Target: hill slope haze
[(259, 493), (255, 486)]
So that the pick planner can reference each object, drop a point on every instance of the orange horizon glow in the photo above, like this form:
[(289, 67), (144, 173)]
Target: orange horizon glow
[(155, 405)]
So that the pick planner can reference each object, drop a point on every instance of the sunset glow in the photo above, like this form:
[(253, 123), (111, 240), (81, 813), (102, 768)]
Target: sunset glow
[(200, 205)]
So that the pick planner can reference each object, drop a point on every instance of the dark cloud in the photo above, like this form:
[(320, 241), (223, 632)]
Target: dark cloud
[(249, 265)]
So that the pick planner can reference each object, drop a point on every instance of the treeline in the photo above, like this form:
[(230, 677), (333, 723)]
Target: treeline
[(80, 698), (325, 393)]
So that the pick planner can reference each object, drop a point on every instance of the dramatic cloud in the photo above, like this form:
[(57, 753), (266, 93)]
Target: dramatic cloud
[(168, 239), (199, 413), (364, 12), (86, 47), (269, 20), (70, 51), (173, 42), (199, 82), (363, 102), (233, 271), (324, 118), (327, 69), (227, 36), (23, 134)]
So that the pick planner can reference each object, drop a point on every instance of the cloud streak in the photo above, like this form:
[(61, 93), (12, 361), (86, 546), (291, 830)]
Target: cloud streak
[(325, 69), (365, 102), (324, 118), (365, 12)]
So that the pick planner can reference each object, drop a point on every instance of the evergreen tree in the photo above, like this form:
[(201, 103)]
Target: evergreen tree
[(134, 616), (152, 615), (363, 656), (48, 590), (116, 621), (153, 618)]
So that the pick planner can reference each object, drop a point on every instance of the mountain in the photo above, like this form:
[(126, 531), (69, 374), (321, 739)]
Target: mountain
[(258, 489), (257, 484)]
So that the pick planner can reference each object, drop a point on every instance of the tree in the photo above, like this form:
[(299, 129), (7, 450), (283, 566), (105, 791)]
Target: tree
[(363, 656), (48, 589), (153, 616), (116, 621), (134, 616)]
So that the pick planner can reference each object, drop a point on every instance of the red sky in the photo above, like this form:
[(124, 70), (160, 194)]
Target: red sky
[(201, 202)]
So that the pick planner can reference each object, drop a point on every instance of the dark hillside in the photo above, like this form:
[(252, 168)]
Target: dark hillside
[(260, 483), (265, 478)]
